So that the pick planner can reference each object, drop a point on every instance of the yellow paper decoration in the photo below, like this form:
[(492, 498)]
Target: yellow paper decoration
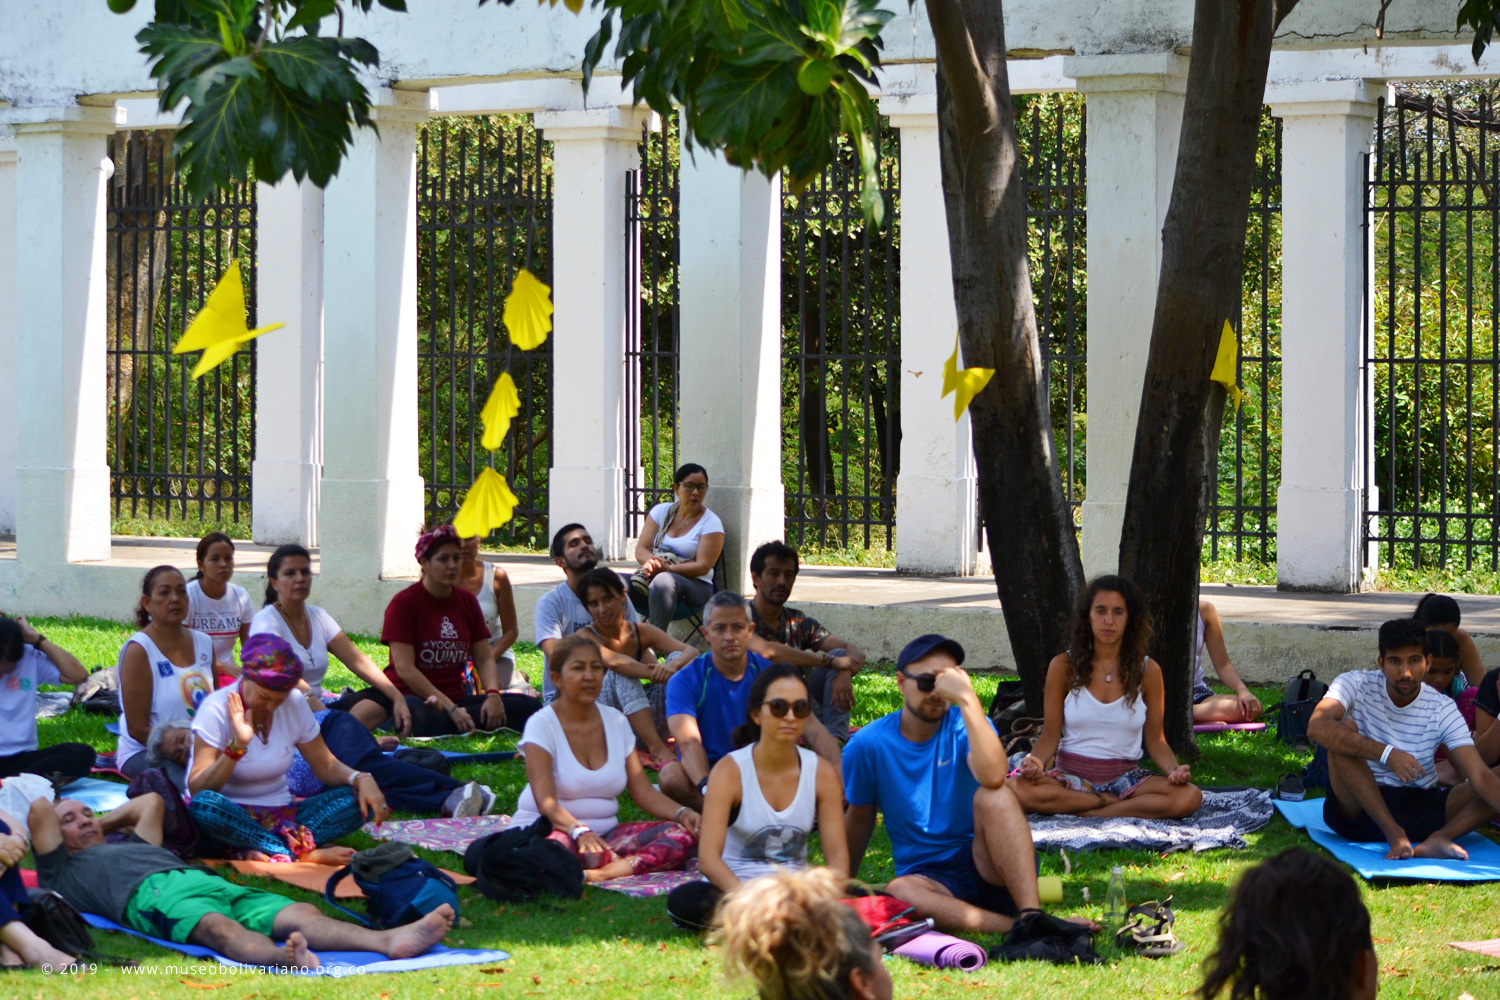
[(965, 383), (528, 311), (503, 404), (1224, 365), (489, 505), (219, 329)]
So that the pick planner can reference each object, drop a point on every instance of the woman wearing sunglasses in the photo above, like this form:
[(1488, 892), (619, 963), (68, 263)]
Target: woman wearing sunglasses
[(763, 801)]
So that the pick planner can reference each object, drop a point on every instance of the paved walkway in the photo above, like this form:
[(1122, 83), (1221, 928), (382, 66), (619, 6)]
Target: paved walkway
[(883, 588)]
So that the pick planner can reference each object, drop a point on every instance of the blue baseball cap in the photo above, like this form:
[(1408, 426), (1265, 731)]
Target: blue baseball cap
[(929, 643)]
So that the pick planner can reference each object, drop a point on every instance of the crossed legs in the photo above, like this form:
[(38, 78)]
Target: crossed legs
[(306, 931)]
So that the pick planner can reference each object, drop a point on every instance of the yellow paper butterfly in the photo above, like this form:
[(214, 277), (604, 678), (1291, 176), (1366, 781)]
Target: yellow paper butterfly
[(1224, 365), (965, 383), (219, 329)]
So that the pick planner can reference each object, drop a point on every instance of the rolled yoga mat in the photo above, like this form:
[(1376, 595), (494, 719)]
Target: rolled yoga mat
[(1225, 727), (943, 951)]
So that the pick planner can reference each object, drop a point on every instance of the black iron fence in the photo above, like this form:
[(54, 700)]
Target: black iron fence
[(179, 448), (653, 234), (484, 210), (841, 356), (1242, 517), (1434, 363)]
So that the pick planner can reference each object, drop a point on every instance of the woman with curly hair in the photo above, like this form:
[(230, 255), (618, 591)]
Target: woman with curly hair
[(790, 935), (1103, 705), (1295, 929)]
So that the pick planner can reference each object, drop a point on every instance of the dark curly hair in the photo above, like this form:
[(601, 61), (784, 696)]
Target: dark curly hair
[(1295, 929), (1133, 644)]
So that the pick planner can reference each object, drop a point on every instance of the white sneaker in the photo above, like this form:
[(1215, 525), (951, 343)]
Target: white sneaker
[(471, 800), (489, 800)]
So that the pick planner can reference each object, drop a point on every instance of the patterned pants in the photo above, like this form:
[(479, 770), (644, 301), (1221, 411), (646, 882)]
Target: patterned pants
[(649, 845), (282, 833)]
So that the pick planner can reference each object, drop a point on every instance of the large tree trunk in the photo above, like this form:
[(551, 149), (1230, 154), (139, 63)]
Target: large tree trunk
[(1031, 536), (1203, 247), (135, 261)]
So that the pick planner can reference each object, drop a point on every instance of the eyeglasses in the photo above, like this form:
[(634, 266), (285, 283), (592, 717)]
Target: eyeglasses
[(924, 682), (801, 708), (694, 487)]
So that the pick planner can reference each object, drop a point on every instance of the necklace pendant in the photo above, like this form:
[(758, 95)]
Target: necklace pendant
[(1109, 678)]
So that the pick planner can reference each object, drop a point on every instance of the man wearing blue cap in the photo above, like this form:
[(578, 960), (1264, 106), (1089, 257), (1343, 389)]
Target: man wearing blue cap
[(936, 768)]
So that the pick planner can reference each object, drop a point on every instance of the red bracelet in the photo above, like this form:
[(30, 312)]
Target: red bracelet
[(490, 691)]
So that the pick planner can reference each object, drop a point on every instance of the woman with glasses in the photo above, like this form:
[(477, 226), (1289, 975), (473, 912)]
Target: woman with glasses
[(763, 801), (679, 545)]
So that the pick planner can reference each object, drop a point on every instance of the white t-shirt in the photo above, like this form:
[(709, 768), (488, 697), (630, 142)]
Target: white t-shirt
[(219, 618), (18, 700), (686, 547), (591, 796), (314, 656), (560, 613), (1431, 719), (259, 778)]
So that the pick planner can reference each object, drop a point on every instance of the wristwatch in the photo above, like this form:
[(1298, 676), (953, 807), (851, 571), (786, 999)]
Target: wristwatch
[(703, 786)]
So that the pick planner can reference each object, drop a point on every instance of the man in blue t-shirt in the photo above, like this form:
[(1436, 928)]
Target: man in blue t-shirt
[(936, 769), (709, 697)]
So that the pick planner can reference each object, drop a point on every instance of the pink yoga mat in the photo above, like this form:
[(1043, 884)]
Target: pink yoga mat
[(943, 951), (1224, 727), (1490, 947)]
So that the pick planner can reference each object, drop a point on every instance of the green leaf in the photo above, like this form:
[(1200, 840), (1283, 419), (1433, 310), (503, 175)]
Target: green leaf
[(310, 13), (220, 127)]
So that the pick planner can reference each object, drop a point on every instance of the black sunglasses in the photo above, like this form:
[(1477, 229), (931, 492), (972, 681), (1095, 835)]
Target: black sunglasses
[(801, 708), (924, 682)]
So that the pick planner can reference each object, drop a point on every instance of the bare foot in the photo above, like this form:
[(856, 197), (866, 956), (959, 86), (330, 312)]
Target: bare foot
[(1440, 847), (416, 937), (257, 856), (388, 742), (45, 954), (1400, 849), (9, 959), (295, 954), (329, 856)]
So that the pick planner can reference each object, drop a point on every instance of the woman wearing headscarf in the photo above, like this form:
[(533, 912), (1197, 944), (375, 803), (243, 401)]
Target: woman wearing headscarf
[(244, 737)]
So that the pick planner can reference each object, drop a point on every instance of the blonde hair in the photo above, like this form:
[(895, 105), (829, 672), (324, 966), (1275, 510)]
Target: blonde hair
[(790, 933)]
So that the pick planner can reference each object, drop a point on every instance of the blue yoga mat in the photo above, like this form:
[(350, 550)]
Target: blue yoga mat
[(112, 727), (96, 793), (1370, 861), (335, 963), (494, 757)]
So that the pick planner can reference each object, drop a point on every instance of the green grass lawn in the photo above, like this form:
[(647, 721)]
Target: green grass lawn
[(606, 945)]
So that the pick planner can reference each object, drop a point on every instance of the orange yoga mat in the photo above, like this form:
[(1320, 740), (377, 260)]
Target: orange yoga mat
[(313, 878)]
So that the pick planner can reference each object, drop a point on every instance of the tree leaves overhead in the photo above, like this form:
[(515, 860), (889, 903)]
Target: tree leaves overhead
[(1484, 17)]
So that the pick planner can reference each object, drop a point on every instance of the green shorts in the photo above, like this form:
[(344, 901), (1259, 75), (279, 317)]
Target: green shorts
[(170, 904)]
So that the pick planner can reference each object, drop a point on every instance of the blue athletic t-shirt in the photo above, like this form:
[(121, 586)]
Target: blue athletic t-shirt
[(717, 702), (925, 790)]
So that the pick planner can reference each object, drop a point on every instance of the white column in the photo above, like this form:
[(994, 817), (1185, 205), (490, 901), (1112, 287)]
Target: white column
[(1135, 115), (371, 505), (730, 383), (591, 152), (289, 363), (62, 479), (10, 414), (1326, 130), (937, 491)]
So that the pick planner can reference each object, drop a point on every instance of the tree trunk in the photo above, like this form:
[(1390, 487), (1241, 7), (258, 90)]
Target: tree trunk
[(1203, 247), (1032, 542), (135, 262)]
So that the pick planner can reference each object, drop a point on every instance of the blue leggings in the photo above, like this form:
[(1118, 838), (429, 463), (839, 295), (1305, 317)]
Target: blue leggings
[(13, 895), (286, 832)]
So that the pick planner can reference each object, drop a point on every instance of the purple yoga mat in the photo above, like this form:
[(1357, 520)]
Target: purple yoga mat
[(1224, 727), (944, 951)]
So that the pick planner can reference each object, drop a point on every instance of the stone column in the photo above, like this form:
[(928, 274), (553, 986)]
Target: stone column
[(1325, 416), (371, 505), (289, 363), (591, 152), (730, 382), (62, 479), (937, 492), (10, 414), (1135, 115)]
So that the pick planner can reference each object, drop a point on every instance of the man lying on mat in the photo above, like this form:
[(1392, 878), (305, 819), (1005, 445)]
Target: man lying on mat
[(142, 886), (1382, 729)]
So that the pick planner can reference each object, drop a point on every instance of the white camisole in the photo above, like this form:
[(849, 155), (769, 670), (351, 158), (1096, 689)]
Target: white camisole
[(1102, 730), (176, 691), (763, 839)]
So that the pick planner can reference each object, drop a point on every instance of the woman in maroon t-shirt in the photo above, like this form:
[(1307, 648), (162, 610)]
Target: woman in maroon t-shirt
[(433, 629)]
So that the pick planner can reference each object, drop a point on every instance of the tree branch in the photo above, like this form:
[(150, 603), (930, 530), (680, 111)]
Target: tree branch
[(962, 69), (1284, 7)]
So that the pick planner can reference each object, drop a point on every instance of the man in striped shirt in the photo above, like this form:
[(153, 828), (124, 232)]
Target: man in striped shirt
[(1382, 729)]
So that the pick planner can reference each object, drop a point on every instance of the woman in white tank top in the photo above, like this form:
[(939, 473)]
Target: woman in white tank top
[(1103, 706), (491, 585), (165, 670), (763, 801)]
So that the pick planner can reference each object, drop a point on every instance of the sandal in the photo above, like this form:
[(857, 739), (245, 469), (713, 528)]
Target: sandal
[(1290, 788), (1148, 930)]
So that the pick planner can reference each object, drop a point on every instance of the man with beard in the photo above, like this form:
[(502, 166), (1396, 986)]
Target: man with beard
[(936, 768), (1382, 729), (828, 663)]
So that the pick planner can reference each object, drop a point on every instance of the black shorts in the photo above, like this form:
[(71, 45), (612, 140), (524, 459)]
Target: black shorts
[(1421, 812), (962, 878)]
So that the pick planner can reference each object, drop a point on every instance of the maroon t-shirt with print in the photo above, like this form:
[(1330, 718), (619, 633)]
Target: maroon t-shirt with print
[(441, 631)]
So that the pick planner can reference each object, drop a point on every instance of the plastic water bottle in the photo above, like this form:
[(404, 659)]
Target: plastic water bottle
[(1114, 900)]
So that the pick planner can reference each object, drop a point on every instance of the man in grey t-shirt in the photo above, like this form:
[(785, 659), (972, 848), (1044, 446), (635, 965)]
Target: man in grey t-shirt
[(141, 885)]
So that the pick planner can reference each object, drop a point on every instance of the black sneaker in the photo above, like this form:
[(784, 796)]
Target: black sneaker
[(1290, 788)]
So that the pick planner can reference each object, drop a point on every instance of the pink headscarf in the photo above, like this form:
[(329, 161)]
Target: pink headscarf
[(430, 540), (268, 660)]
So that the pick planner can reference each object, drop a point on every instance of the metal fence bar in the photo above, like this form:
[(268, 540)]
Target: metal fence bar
[(179, 448)]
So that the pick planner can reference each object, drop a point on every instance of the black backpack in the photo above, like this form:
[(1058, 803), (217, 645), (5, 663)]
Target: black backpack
[(54, 920), (399, 887), (1303, 692), (1038, 936), (521, 864)]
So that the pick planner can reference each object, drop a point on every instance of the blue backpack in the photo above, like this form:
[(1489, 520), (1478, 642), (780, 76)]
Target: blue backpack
[(399, 887)]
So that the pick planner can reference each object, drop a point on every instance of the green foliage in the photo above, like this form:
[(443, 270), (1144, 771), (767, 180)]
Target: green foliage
[(1484, 17)]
